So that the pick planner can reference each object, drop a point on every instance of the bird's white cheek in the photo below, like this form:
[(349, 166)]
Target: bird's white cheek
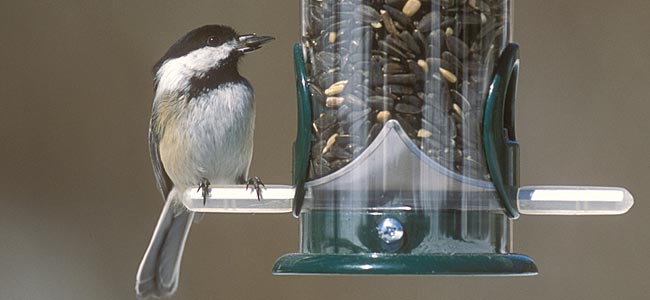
[(175, 74), (207, 58)]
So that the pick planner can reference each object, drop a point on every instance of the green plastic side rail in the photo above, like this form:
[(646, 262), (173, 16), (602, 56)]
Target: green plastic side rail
[(501, 147), (303, 134)]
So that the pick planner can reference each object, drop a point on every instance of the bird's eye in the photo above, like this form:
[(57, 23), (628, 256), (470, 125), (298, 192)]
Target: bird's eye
[(213, 41)]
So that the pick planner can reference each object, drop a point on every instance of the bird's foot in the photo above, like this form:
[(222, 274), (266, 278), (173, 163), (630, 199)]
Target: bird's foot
[(257, 185), (204, 186)]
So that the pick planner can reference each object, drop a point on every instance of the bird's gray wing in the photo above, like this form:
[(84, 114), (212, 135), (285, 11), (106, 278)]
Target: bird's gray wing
[(165, 184)]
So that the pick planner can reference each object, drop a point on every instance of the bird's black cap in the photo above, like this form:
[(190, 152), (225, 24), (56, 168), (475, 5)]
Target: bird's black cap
[(208, 35)]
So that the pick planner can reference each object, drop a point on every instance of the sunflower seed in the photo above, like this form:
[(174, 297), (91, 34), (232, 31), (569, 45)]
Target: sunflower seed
[(330, 141), (367, 14), (409, 40), (399, 17), (404, 79), (423, 133), (383, 116), (449, 76), (393, 68), (428, 21), (336, 88), (411, 7), (388, 23), (333, 101), (457, 46), (407, 108), (380, 102)]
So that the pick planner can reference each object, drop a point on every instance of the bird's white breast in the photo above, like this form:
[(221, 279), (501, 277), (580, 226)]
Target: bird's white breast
[(210, 136)]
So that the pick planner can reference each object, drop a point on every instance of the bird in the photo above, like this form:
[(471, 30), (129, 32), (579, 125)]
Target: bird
[(200, 133)]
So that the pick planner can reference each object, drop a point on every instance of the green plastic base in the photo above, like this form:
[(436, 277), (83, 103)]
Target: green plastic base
[(406, 264)]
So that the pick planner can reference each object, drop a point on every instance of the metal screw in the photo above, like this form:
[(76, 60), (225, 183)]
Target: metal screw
[(390, 230)]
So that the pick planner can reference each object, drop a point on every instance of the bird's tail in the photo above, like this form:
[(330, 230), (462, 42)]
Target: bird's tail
[(158, 272)]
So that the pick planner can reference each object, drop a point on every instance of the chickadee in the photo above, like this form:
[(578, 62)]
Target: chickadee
[(201, 133)]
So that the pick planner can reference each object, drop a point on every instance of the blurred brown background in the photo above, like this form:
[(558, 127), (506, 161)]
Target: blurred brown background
[(78, 199)]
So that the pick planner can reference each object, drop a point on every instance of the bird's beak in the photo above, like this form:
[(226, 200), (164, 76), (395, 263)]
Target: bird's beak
[(249, 42)]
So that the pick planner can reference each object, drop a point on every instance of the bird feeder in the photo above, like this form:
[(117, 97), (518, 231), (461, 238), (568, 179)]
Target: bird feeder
[(405, 160)]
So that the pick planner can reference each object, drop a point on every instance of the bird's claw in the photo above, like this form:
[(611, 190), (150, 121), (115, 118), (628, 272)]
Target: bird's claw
[(257, 185), (204, 186)]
